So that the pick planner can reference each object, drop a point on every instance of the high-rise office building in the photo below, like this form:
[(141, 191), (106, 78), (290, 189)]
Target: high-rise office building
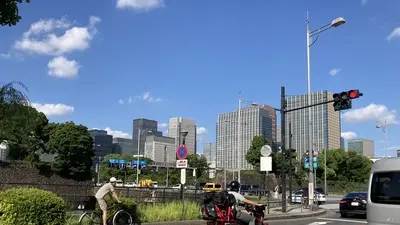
[(255, 121), (124, 146), (145, 127), (325, 123), (342, 143), (278, 135), (361, 146), (178, 125), (160, 149), (210, 152), (102, 144)]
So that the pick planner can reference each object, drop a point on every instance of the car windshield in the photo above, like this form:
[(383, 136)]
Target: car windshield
[(385, 188), (356, 195)]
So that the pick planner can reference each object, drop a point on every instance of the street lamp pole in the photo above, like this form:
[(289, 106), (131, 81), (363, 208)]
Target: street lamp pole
[(239, 137), (384, 129), (309, 34), (138, 153)]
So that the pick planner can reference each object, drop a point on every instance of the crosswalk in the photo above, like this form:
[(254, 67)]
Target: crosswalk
[(330, 206)]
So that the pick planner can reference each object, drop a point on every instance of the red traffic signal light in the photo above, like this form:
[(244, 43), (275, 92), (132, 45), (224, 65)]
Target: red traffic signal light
[(352, 94)]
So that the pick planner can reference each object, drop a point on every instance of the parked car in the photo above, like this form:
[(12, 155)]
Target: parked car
[(354, 203), (301, 193), (212, 187)]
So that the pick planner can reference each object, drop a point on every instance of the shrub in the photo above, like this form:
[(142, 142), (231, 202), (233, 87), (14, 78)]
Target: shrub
[(169, 212), (128, 205), (31, 206)]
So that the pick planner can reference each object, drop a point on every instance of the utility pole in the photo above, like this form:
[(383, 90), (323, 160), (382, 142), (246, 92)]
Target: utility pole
[(138, 154), (239, 137), (283, 147), (290, 161)]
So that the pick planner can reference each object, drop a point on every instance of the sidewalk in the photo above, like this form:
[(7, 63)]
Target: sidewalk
[(275, 214)]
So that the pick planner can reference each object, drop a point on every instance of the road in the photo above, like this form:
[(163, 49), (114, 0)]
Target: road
[(332, 217)]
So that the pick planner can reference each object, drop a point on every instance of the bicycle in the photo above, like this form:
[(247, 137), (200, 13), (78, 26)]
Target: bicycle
[(121, 217)]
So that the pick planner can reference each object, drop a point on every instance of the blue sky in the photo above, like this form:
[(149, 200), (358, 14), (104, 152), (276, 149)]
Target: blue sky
[(161, 59)]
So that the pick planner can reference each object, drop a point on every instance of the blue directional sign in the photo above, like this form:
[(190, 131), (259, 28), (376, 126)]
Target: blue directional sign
[(306, 162), (122, 164)]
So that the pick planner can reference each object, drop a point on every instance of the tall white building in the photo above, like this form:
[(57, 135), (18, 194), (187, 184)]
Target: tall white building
[(210, 152), (179, 124), (325, 123), (160, 149), (255, 121)]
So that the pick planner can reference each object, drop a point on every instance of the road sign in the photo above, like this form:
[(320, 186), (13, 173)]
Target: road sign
[(306, 162), (182, 152), (182, 163), (183, 176), (266, 150), (266, 163)]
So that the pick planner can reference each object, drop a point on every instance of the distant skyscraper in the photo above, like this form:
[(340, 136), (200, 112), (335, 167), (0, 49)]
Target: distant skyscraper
[(102, 145), (210, 152), (255, 121), (124, 146), (342, 143), (325, 123), (278, 135), (160, 149), (146, 127), (361, 146), (179, 124)]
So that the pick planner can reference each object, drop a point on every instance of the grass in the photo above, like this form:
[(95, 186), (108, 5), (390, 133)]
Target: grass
[(72, 220), (169, 212)]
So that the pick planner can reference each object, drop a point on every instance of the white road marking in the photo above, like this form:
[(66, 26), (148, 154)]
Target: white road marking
[(342, 220), (318, 223)]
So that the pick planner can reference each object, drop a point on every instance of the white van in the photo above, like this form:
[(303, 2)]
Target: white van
[(384, 192), (120, 183)]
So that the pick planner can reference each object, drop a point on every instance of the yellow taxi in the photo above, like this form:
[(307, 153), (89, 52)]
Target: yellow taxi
[(212, 187)]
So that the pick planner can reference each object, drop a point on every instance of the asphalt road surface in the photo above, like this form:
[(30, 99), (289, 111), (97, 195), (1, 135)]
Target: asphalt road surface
[(332, 217)]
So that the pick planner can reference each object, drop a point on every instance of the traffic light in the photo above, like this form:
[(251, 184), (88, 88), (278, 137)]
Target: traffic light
[(342, 101)]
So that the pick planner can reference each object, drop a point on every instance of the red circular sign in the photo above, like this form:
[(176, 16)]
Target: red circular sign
[(182, 152)]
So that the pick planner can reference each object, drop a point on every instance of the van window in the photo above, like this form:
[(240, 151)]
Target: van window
[(385, 187), (218, 186), (209, 186)]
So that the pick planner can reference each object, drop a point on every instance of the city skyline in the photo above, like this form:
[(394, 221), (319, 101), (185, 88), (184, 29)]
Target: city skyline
[(104, 76)]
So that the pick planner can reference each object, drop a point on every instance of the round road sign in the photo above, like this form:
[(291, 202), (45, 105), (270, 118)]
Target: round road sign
[(266, 150), (182, 152)]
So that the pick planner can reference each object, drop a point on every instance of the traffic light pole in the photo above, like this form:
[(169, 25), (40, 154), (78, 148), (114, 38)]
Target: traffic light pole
[(283, 128)]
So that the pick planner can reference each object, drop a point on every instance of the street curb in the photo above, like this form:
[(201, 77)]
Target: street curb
[(294, 216), (202, 222)]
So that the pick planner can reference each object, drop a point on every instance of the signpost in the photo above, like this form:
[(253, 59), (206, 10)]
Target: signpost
[(266, 166), (183, 164)]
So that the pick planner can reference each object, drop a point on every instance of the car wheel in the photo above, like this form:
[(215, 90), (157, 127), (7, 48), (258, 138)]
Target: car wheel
[(343, 215)]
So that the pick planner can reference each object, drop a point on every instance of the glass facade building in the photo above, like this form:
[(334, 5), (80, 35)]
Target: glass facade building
[(146, 127)]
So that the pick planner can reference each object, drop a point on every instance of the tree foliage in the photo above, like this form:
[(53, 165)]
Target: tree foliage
[(9, 12), (254, 153), (73, 147), (200, 164)]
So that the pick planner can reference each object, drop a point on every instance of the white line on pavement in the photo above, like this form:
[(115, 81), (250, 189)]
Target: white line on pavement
[(342, 220)]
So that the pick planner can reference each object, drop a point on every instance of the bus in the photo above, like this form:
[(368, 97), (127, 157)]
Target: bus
[(383, 205)]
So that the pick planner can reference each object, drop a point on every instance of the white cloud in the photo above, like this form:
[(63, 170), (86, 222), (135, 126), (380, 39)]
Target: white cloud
[(348, 135), (394, 34), (54, 109), (117, 133), (334, 72), (140, 5), (121, 101), (378, 113), (201, 131), (162, 125), (364, 2), (40, 38), (63, 68), (146, 96)]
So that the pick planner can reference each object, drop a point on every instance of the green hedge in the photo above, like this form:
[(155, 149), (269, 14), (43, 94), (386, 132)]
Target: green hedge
[(31, 206)]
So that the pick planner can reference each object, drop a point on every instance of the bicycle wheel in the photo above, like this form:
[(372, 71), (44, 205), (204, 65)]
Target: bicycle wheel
[(122, 218), (90, 218)]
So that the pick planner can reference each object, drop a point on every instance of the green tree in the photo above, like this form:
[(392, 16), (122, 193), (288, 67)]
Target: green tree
[(24, 132), (277, 163), (200, 164), (73, 147), (9, 12), (254, 153)]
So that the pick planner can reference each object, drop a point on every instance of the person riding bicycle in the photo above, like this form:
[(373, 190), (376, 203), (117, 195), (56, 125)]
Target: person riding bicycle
[(234, 188), (107, 188)]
